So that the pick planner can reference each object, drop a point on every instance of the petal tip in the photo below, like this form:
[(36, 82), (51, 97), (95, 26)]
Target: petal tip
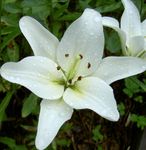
[(115, 116), (91, 12), (24, 21), (40, 144)]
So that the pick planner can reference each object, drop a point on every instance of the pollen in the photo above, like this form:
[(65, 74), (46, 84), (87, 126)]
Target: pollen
[(79, 78), (81, 56), (66, 55), (58, 67), (88, 65)]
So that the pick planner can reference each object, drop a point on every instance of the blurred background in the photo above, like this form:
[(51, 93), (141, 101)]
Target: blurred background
[(19, 108)]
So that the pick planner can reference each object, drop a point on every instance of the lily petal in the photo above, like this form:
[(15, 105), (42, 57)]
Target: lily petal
[(38, 74), (115, 68), (53, 115), (136, 45), (42, 42), (93, 93), (130, 20), (144, 33), (82, 40), (114, 24), (110, 22)]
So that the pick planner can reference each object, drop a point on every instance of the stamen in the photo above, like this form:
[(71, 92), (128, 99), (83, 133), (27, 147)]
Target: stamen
[(58, 67), (89, 65), (81, 56), (66, 55)]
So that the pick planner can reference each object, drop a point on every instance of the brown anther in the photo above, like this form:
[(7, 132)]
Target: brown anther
[(70, 81), (81, 56), (58, 67), (66, 55), (79, 78), (89, 65)]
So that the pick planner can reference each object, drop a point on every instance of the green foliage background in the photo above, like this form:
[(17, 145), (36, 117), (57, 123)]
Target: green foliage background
[(19, 108)]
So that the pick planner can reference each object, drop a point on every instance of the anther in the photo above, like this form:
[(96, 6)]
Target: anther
[(79, 78), (81, 56), (89, 65), (58, 67), (66, 55)]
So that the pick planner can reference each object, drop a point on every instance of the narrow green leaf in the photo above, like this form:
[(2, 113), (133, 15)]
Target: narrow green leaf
[(29, 105), (11, 143), (10, 37), (4, 104)]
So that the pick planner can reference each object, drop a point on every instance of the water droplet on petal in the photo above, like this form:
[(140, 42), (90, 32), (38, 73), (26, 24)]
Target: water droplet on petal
[(144, 67), (12, 78), (17, 79), (96, 19), (63, 114), (34, 64), (71, 104), (67, 109), (130, 12), (86, 23), (91, 33)]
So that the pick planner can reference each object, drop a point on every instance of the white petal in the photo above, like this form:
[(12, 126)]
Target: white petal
[(38, 74), (136, 45), (83, 37), (114, 24), (116, 68), (130, 20), (40, 39), (110, 22), (144, 33), (93, 93), (53, 115)]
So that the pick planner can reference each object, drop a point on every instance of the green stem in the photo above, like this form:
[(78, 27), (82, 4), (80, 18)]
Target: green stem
[(1, 2)]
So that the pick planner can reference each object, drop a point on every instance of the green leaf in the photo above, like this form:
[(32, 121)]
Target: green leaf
[(7, 30), (10, 37), (12, 8), (113, 43), (4, 104), (139, 99), (29, 105), (139, 119), (70, 17), (8, 141), (13, 52), (121, 108), (109, 7), (63, 142), (131, 87), (10, 20), (97, 135), (12, 144)]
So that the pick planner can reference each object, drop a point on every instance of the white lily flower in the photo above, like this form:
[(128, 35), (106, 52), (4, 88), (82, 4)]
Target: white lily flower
[(69, 74), (132, 32)]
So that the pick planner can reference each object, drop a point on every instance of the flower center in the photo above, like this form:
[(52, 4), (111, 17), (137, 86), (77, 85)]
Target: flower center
[(70, 74)]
